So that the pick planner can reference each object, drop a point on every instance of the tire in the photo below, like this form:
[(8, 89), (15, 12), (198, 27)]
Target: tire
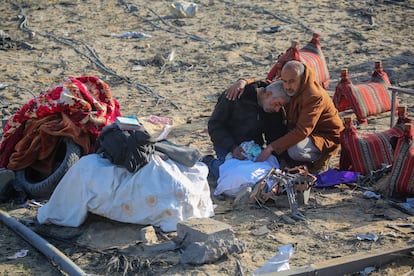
[(41, 186)]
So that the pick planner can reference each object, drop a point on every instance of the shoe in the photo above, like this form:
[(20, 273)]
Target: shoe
[(207, 159), (321, 165)]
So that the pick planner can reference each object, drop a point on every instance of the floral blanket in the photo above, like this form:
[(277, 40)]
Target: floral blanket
[(87, 102)]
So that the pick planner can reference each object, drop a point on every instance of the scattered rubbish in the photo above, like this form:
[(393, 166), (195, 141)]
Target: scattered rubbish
[(373, 176), (132, 8), (157, 120), (164, 121), (183, 9), (211, 98), (367, 270), (390, 234), (369, 236), (370, 194), (137, 68), (172, 55), (277, 181), (163, 135), (31, 203), (279, 262), (273, 29), (198, 38), (261, 231), (407, 206), (4, 35), (132, 35), (22, 253)]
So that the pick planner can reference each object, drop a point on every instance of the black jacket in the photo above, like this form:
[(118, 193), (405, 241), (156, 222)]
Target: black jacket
[(234, 122)]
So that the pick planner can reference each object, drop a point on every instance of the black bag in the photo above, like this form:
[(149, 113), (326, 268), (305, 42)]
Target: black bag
[(131, 149)]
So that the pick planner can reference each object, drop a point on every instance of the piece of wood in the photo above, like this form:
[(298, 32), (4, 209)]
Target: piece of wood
[(394, 91), (348, 264)]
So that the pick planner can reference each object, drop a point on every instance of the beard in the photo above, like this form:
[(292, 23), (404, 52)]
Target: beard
[(291, 93)]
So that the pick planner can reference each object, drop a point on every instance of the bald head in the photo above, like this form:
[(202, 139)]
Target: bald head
[(291, 76), (294, 66)]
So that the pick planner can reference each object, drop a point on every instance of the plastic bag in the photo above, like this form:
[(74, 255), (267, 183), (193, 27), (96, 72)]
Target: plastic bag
[(279, 262)]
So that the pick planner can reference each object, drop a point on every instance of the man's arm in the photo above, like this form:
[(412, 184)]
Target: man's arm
[(305, 125), (237, 88), (218, 123)]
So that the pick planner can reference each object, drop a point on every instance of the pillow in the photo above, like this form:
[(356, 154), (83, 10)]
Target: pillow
[(402, 173), (367, 152), (310, 55), (365, 99)]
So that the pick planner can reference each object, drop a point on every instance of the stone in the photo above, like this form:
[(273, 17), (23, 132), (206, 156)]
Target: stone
[(203, 229), (210, 251)]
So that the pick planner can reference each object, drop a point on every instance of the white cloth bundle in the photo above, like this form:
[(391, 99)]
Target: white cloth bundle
[(236, 174), (161, 193)]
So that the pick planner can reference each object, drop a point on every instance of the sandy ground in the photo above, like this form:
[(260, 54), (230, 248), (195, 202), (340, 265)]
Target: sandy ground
[(178, 72)]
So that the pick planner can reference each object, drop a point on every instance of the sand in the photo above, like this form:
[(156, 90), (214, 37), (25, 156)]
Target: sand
[(178, 72)]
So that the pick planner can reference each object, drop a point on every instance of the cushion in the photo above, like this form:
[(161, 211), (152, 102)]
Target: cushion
[(367, 152), (365, 99), (402, 173), (310, 55)]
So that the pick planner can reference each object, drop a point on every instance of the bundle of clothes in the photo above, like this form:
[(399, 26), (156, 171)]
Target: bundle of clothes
[(78, 108)]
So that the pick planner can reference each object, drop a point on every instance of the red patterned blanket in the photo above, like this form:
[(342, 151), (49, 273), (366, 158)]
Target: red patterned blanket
[(86, 101)]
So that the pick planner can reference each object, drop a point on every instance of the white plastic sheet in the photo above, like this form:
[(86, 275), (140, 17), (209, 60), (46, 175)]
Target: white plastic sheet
[(236, 174), (161, 193)]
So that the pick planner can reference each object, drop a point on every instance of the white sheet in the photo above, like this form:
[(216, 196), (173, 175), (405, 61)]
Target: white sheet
[(161, 193), (235, 174)]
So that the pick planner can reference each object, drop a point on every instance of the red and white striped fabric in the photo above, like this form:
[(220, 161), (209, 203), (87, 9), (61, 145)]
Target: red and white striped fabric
[(310, 55), (367, 152), (402, 174), (365, 99)]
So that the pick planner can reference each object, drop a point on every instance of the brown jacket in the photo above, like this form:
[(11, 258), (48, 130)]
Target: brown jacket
[(311, 112)]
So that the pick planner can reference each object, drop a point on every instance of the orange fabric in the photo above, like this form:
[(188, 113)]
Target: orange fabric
[(311, 112), (37, 147)]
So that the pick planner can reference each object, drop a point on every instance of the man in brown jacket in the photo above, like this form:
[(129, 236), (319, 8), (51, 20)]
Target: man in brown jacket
[(314, 125)]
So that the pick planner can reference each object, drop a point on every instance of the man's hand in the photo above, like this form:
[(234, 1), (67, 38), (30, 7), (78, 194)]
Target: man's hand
[(236, 89), (238, 153), (264, 154)]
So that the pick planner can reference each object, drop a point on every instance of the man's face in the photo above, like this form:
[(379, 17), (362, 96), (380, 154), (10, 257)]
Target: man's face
[(271, 105), (291, 81)]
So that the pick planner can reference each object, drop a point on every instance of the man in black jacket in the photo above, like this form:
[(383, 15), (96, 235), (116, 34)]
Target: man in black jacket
[(257, 116)]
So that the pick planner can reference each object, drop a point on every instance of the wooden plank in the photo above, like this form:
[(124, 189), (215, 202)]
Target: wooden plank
[(347, 264), (402, 90), (394, 91)]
